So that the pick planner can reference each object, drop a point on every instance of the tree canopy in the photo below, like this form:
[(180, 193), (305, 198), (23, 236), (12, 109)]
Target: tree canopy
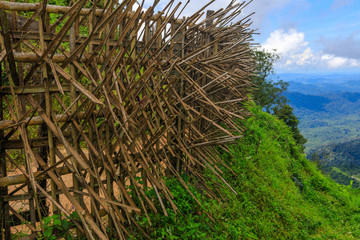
[(268, 93)]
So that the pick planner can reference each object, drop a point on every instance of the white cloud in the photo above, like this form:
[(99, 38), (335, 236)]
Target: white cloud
[(334, 62), (306, 57), (285, 42), (295, 52)]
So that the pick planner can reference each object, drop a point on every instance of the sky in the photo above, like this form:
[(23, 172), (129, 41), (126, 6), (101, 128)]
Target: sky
[(311, 36)]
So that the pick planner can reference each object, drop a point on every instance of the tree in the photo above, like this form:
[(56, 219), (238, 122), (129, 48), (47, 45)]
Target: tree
[(285, 113), (267, 93)]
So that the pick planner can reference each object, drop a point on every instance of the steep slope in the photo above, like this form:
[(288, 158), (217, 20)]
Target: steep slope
[(280, 194)]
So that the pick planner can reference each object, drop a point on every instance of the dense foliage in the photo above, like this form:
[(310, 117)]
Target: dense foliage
[(285, 113), (267, 92)]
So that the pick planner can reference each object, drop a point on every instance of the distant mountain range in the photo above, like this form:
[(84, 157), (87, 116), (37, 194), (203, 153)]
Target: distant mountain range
[(328, 108), (336, 103), (323, 88), (319, 78)]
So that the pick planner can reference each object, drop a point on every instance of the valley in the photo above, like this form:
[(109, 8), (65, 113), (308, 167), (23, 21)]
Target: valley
[(328, 108)]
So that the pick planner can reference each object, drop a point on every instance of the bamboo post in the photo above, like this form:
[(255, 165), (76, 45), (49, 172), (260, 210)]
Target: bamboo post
[(146, 39), (109, 178), (49, 97), (91, 126), (48, 107), (181, 39), (74, 131), (176, 45), (158, 79), (4, 205)]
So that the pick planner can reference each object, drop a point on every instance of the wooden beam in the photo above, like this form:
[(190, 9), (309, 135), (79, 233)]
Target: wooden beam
[(34, 58), (18, 143), (4, 124), (6, 90), (21, 178)]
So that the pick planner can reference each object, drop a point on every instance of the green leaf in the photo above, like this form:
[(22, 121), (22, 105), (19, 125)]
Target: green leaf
[(57, 222), (65, 224), (48, 232), (47, 220)]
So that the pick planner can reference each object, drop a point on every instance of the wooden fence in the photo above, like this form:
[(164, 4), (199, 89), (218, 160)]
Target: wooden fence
[(97, 97)]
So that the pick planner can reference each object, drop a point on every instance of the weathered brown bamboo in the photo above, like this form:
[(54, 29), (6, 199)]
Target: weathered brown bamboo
[(4, 206), (114, 107)]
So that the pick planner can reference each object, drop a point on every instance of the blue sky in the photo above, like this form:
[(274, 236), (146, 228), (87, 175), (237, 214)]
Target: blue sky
[(311, 36), (319, 36)]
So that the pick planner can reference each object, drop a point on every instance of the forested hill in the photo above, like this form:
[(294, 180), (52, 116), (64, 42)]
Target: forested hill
[(334, 103), (328, 113), (324, 88), (346, 154), (341, 161)]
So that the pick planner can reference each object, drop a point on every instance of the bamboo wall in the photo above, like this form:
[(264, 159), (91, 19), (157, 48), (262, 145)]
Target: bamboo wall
[(96, 99)]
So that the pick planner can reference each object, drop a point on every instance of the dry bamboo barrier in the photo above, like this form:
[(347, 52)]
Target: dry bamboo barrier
[(110, 95)]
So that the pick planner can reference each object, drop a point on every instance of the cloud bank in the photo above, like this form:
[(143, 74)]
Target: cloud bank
[(295, 53)]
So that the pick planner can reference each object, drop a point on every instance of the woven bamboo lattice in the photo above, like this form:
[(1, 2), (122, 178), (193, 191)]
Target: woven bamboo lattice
[(109, 95)]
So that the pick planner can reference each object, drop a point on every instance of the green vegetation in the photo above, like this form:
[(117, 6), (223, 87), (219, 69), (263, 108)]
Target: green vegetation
[(270, 94), (285, 113), (322, 129), (55, 227), (342, 177), (267, 93), (281, 195), (341, 161)]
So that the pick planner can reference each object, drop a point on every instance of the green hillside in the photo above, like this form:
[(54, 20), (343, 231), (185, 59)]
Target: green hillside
[(280, 195)]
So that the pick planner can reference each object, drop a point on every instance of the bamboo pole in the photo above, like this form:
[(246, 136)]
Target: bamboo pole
[(4, 206), (109, 178), (21, 7), (45, 103), (74, 103), (91, 127), (48, 106)]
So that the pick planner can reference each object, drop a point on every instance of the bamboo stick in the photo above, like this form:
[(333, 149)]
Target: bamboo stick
[(74, 132), (16, 6), (109, 179), (4, 206)]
